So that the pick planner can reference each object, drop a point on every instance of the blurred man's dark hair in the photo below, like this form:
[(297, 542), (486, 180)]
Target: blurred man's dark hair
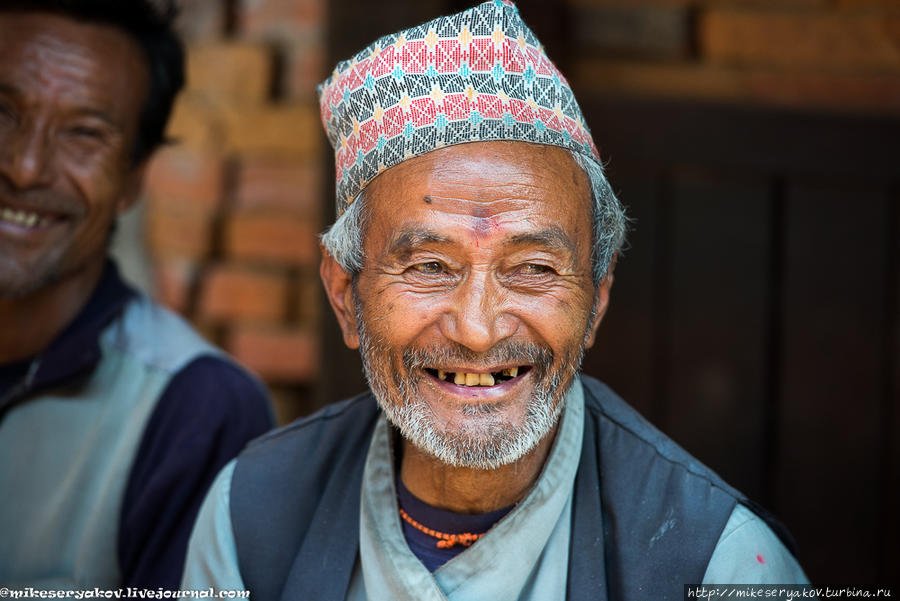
[(151, 24)]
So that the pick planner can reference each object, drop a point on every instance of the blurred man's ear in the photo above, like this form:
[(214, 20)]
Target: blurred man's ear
[(339, 288), (131, 190)]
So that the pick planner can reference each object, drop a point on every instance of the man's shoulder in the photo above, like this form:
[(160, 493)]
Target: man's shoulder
[(286, 477), (632, 444), (155, 336), (620, 423)]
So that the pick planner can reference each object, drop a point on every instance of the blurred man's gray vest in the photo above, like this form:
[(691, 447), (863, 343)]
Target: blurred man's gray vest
[(60, 531)]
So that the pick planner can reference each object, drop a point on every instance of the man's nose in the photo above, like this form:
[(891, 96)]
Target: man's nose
[(478, 318), (25, 157)]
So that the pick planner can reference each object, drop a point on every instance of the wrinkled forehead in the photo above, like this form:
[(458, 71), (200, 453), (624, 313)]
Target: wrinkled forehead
[(482, 185), (54, 55)]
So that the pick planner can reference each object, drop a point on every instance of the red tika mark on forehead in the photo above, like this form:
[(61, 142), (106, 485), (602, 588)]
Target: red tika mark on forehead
[(760, 559), (485, 223)]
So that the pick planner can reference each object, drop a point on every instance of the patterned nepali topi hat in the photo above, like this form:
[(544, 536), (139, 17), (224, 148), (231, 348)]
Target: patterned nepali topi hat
[(475, 76)]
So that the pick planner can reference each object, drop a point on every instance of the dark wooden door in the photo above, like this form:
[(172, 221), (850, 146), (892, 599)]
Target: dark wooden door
[(755, 317)]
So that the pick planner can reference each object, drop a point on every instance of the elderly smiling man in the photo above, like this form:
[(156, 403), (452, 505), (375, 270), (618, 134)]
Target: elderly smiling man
[(471, 264)]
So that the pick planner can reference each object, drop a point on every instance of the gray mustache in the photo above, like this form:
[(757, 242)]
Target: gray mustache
[(540, 357)]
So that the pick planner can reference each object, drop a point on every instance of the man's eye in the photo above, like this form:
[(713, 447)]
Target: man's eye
[(536, 269), (429, 268), (84, 131)]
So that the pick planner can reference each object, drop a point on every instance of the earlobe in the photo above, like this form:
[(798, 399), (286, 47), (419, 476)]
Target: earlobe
[(339, 288)]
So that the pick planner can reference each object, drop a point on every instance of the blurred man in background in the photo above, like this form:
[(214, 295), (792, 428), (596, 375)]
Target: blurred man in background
[(114, 415)]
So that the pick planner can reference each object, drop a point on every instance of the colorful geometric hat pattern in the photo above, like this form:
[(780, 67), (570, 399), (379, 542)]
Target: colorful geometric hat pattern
[(475, 76)]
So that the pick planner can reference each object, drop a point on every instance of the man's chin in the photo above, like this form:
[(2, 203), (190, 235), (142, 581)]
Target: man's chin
[(18, 283), (476, 437), (471, 452)]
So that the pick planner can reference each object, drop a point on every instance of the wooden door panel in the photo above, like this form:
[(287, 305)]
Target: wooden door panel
[(827, 475)]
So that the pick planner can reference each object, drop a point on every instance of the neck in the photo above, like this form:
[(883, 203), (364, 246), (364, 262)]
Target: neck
[(28, 324), (466, 490)]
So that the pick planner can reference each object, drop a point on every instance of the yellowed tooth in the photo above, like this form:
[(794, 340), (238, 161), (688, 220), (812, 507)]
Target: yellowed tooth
[(460, 379), (486, 379), (513, 372), (31, 220), (442, 374), (472, 379)]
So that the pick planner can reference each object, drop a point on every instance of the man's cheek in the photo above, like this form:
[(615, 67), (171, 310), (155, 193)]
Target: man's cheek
[(405, 312)]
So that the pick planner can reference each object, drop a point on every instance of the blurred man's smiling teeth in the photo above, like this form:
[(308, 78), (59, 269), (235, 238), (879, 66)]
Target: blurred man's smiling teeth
[(23, 218)]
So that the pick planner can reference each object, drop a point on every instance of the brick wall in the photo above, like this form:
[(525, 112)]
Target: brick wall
[(232, 210), (824, 55)]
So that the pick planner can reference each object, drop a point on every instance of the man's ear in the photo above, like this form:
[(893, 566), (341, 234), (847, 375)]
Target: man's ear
[(131, 189), (339, 288), (601, 302)]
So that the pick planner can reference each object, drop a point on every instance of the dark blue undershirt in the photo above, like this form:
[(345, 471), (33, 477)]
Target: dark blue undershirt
[(11, 374), (204, 417), (424, 546)]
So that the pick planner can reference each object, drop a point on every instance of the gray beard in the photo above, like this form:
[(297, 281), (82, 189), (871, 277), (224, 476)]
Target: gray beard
[(488, 440)]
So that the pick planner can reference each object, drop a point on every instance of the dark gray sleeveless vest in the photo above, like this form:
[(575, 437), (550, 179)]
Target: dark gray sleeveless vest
[(645, 519)]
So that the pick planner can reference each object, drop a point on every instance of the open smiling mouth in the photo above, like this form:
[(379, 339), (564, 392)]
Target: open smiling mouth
[(461, 378), (26, 219)]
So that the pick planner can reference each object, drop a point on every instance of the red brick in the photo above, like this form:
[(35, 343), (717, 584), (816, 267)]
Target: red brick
[(289, 403), (232, 292), (829, 40), (292, 130), (280, 20), (305, 67), (292, 186), (271, 237), (201, 19), (210, 332), (179, 177), (891, 6), (863, 93), (309, 299), (743, 3), (276, 354), (197, 122), (184, 234), (173, 281), (235, 72), (634, 29), (603, 77), (852, 92)]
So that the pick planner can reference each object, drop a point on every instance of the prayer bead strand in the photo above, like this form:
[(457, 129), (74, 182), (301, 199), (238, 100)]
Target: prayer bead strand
[(445, 541)]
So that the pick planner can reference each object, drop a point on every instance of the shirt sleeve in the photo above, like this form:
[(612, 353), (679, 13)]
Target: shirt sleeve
[(212, 556), (204, 418), (748, 552)]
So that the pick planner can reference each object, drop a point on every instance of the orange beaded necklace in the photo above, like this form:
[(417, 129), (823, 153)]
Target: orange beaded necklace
[(445, 541)]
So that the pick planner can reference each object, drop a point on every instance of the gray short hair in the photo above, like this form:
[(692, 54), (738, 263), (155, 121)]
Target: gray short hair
[(344, 239)]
